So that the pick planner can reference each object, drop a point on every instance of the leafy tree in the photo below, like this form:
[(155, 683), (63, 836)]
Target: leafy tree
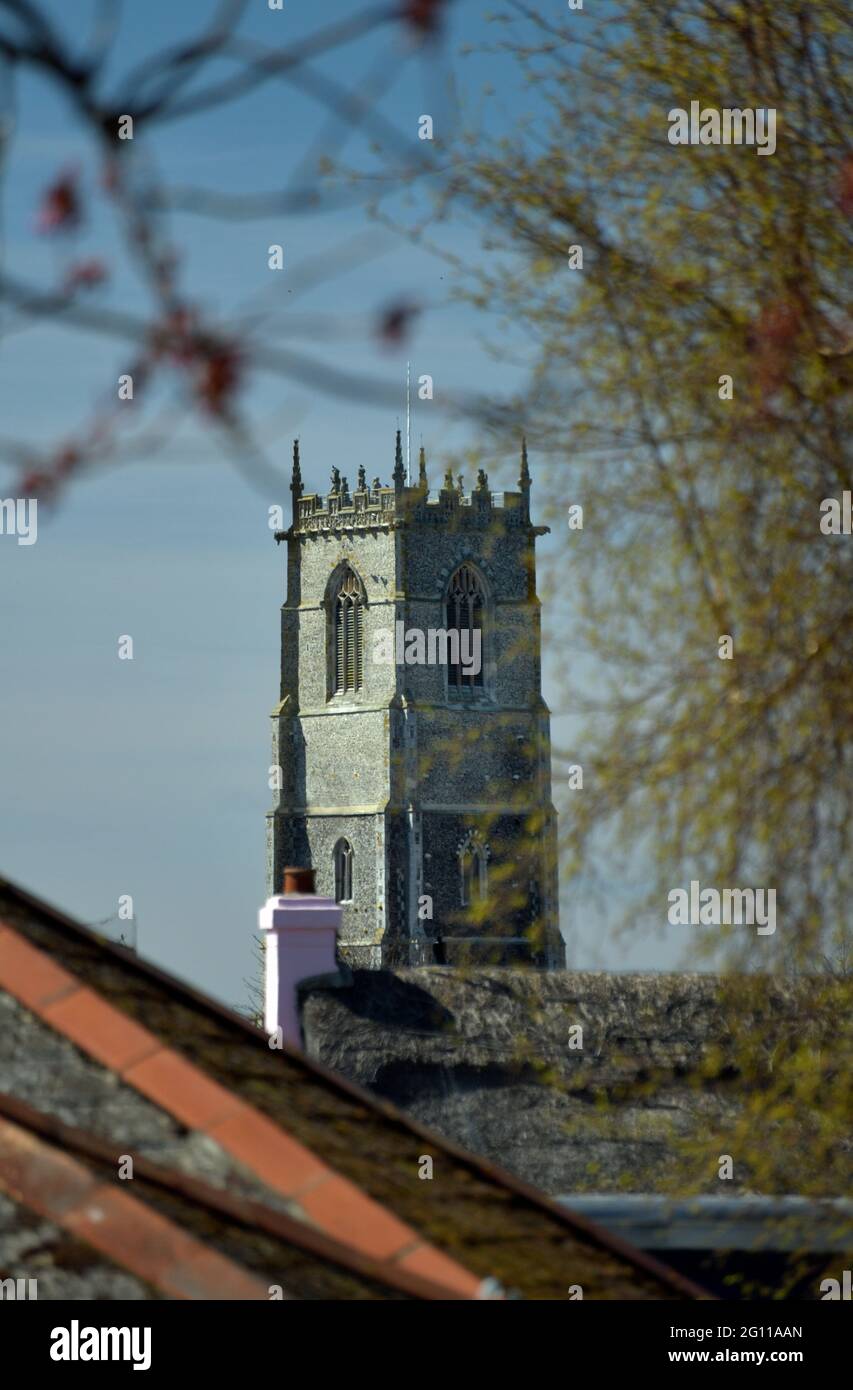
[(703, 514)]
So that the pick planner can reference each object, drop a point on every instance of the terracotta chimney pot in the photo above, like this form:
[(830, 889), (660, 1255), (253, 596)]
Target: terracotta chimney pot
[(301, 939)]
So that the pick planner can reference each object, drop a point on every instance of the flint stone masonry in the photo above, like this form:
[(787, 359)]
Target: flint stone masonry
[(47, 1071), (402, 767), (483, 1056)]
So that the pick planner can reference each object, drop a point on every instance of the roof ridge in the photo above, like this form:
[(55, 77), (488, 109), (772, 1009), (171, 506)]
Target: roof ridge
[(127, 1231), (188, 1093), (244, 1210), (587, 1231)]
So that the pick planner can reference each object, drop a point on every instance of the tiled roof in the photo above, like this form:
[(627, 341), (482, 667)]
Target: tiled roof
[(348, 1161), (180, 1236), (110, 1218), (186, 1092)]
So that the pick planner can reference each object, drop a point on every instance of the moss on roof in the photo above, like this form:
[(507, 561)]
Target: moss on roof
[(486, 1220), (302, 1262)]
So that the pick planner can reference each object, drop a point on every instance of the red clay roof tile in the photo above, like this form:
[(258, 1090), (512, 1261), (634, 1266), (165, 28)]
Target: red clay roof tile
[(431, 1264), (113, 1222), (162, 1254), (47, 1181), (107, 1035), (344, 1211), (277, 1159), (334, 1204), (529, 1218), (175, 1084), (29, 974), (226, 1211), (203, 1269)]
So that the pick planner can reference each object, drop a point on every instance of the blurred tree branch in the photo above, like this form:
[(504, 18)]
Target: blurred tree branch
[(168, 86)]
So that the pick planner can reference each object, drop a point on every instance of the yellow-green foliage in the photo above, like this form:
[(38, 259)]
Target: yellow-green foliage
[(702, 515)]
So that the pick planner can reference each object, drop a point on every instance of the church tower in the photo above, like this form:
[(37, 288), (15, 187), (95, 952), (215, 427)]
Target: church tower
[(411, 734)]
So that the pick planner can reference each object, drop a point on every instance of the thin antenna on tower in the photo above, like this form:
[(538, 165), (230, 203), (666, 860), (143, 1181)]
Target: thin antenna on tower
[(408, 432)]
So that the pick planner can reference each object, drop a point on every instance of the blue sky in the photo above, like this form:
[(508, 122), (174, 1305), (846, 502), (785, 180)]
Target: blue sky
[(149, 777)]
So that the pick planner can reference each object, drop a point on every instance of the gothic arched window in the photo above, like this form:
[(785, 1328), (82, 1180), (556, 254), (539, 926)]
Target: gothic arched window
[(348, 631), (343, 871), (473, 873), (465, 605)]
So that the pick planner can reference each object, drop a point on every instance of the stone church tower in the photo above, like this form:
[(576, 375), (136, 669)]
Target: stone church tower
[(411, 734)]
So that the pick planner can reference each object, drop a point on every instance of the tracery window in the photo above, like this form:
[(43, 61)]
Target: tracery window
[(464, 614), (349, 634)]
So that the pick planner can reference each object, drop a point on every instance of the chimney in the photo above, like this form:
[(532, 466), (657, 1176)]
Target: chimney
[(301, 935)]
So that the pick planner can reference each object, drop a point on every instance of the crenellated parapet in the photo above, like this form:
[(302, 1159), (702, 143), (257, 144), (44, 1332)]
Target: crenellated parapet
[(382, 507)]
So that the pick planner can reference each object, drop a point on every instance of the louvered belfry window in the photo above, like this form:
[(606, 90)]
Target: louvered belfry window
[(349, 635), (465, 614)]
